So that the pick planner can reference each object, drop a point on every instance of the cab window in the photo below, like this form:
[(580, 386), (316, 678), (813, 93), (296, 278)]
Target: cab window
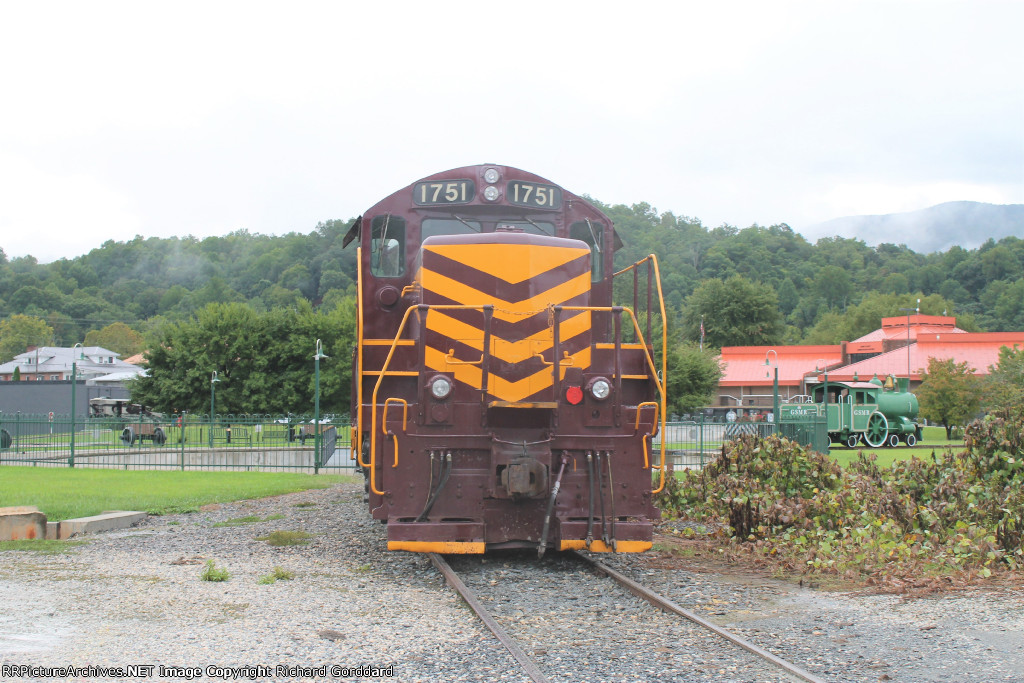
[(387, 246), (591, 232), (447, 226)]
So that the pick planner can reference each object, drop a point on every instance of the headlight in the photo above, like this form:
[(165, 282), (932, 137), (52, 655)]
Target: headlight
[(440, 387), (491, 193), (491, 175), (600, 388)]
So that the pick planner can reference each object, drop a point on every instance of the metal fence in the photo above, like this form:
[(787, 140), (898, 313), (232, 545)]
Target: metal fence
[(692, 444), (284, 443), (186, 442)]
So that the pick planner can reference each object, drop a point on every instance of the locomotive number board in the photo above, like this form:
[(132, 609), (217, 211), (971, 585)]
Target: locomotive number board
[(534, 195), (443, 192)]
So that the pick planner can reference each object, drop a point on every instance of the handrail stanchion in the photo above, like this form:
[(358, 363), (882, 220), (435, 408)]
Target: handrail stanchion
[(485, 373), (357, 442), (556, 365)]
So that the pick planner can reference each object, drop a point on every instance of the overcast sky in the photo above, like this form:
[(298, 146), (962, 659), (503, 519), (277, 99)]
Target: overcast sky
[(161, 119)]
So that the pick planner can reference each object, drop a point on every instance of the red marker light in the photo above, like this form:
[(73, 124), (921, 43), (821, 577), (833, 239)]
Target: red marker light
[(574, 395)]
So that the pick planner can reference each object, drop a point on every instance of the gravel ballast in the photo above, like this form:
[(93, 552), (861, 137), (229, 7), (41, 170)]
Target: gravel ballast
[(135, 597)]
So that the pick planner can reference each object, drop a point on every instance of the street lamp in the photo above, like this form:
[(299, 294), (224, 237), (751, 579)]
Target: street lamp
[(213, 405), (916, 311), (824, 369), (775, 384), (828, 439), (74, 382), (316, 404), (74, 372)]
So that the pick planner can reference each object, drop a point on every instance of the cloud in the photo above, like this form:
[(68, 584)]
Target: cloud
[(50, 215), (204, 118)]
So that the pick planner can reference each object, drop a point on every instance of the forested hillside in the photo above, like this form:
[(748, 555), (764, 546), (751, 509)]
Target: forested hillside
[(788, 289), (752, 285)]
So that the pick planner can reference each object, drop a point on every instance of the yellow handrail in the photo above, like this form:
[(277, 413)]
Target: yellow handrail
[(384, 421), (449, 359), (636, 427), (662, 377), (566, 361), (358, 446), (658, 382), (373, 408)]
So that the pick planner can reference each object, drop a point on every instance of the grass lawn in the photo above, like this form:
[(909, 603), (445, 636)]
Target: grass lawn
[(932, 438), (67, 493)]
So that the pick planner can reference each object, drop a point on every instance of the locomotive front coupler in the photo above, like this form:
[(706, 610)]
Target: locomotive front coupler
[(523, 467)]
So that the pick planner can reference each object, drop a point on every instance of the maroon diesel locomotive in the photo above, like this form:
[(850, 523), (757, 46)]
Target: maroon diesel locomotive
[(501, 398)]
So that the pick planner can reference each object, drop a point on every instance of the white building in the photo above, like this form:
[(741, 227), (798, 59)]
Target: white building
[(54, 363)]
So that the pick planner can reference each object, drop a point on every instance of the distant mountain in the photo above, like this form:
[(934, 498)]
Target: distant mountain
[(967, 224)]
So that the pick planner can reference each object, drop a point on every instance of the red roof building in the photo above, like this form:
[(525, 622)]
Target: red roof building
[(749, 370), (747, 380)]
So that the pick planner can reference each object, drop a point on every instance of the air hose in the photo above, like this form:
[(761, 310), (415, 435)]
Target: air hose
[(446, 470), (551, 507)]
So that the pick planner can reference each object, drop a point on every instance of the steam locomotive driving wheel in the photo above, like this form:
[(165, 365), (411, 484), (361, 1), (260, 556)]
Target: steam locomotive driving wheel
[(878, 429)]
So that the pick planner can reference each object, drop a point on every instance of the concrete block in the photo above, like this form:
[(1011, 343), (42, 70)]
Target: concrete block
[(105, 522), (21, 522), (52, 531)]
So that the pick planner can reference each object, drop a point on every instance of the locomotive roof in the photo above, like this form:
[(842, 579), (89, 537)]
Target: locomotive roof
[(475, 177), (850, 385), (503, 237), (476, 172)]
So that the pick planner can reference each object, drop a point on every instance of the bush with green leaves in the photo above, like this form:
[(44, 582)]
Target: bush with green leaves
[(951, 512)]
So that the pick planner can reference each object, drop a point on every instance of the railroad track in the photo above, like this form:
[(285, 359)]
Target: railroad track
[(571, 631)]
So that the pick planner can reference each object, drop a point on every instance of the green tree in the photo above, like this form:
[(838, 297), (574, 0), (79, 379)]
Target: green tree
[(833, 284), (263, 361), (831, 328), (736, 312), (117, 337), (950, 393), (19, 332), (1009, 307), (693, 377), (1004, 386), (788, 298)]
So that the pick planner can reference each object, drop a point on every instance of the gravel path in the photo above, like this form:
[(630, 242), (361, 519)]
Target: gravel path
[(134, 597)]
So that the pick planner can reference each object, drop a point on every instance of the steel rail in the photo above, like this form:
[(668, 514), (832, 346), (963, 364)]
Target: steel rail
[(470, 597), (664, 603)]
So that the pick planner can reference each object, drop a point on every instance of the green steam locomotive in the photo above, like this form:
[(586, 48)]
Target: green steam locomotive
[(881, 413)]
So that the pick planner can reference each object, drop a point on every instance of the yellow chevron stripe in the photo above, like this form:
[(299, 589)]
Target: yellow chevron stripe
[(512, 263), (510, 352), (497, 386), (508, 311)]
